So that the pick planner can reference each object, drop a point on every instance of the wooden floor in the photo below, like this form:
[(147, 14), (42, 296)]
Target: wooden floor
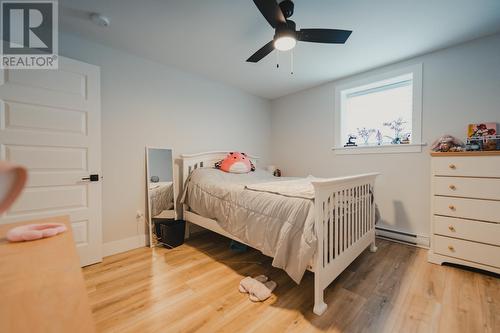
[(194, 288)]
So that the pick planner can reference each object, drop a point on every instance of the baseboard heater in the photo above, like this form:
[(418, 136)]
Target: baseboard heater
[(402, 237)]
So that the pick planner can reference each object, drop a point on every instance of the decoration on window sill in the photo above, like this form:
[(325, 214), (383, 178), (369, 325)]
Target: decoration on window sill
[(401, 137), (406, 139), (379, 138), (397, 126), (350, 141), (365, 133), (447, 143)]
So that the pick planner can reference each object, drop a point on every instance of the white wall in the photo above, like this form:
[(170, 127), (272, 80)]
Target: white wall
[(145, 103), (461, 85)]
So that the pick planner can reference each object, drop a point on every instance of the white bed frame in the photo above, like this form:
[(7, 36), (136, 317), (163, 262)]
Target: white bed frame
[(344, 221)]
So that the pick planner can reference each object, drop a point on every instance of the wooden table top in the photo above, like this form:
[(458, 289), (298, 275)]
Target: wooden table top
[(41, 284)]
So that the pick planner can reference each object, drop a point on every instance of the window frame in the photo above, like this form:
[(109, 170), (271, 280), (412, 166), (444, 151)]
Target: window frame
[(363, 80)]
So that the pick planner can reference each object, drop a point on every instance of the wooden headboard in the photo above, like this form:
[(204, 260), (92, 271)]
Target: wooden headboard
[(192, 162)]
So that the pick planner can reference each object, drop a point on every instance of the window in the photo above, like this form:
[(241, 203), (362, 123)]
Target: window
[(380, 113)]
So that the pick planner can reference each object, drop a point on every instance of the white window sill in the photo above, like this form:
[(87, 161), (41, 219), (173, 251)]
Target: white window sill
[(384, 149)]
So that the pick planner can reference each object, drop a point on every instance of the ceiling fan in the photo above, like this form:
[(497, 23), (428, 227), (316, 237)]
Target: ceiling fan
[(285, 35)]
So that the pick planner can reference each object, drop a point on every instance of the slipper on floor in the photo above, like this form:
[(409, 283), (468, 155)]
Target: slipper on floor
[(247, 282), (262, 291)]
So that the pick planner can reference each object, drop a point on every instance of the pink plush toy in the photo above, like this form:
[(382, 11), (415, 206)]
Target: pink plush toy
[(235, 163), (30, 232)]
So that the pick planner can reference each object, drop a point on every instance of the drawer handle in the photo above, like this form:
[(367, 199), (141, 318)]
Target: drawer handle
[(451, 207), (451, 248), (452, 166), (452, 228), (452, 187)]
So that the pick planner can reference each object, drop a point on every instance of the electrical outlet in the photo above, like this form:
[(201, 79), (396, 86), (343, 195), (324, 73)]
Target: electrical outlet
[(139, 216)]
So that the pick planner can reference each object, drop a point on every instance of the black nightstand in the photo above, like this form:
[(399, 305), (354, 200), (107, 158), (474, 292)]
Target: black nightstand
[(170, 232)]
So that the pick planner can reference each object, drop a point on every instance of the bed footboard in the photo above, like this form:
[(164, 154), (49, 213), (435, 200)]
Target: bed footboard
[(344, 225)]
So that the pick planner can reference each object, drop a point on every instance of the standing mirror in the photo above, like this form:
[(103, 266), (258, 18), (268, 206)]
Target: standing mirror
[(160, 190)]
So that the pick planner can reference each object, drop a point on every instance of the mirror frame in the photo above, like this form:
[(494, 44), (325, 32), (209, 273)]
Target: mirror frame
[(153, 243)]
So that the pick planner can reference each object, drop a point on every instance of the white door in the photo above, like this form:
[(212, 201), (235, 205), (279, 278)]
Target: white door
[(50, 123)]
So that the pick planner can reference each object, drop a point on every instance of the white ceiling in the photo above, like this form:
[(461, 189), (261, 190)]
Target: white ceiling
[(213, 38)]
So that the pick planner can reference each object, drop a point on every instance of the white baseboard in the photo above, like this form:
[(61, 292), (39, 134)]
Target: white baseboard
[(123, 245), (403, 237)]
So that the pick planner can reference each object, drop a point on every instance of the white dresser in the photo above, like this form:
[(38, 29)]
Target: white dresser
[(465, 209)]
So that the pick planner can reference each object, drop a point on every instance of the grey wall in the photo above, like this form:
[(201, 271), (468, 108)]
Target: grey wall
[(146, 103), (461, 85), (160, 164)]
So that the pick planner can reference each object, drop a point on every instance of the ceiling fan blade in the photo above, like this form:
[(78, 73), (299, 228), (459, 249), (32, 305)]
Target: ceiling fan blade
[(271, 11), (332, 36), (262, 52)]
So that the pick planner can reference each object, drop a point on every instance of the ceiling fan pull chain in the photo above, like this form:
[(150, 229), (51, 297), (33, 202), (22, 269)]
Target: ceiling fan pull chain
[(277, 59), (291, 62)]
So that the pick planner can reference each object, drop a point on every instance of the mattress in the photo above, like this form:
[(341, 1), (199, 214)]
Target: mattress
[(279, 226)]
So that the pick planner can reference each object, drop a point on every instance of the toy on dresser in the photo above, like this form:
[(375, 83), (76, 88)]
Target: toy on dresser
[(447, 143), (483, 136)]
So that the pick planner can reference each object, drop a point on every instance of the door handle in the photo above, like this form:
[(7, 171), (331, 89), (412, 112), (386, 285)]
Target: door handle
[(92, 178)]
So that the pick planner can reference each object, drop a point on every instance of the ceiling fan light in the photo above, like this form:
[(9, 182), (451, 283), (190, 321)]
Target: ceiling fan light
[(285, 43)]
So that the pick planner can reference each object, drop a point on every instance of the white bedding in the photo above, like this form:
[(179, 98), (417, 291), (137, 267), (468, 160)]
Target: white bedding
[(280, 226), (296, 188)]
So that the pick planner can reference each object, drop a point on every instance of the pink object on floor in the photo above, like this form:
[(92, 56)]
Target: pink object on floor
[(30, 232)]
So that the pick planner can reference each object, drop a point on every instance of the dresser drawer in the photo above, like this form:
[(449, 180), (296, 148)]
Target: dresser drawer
[(480, 166), (486, 210), (482, 188), (476, 252), (476, 231)]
